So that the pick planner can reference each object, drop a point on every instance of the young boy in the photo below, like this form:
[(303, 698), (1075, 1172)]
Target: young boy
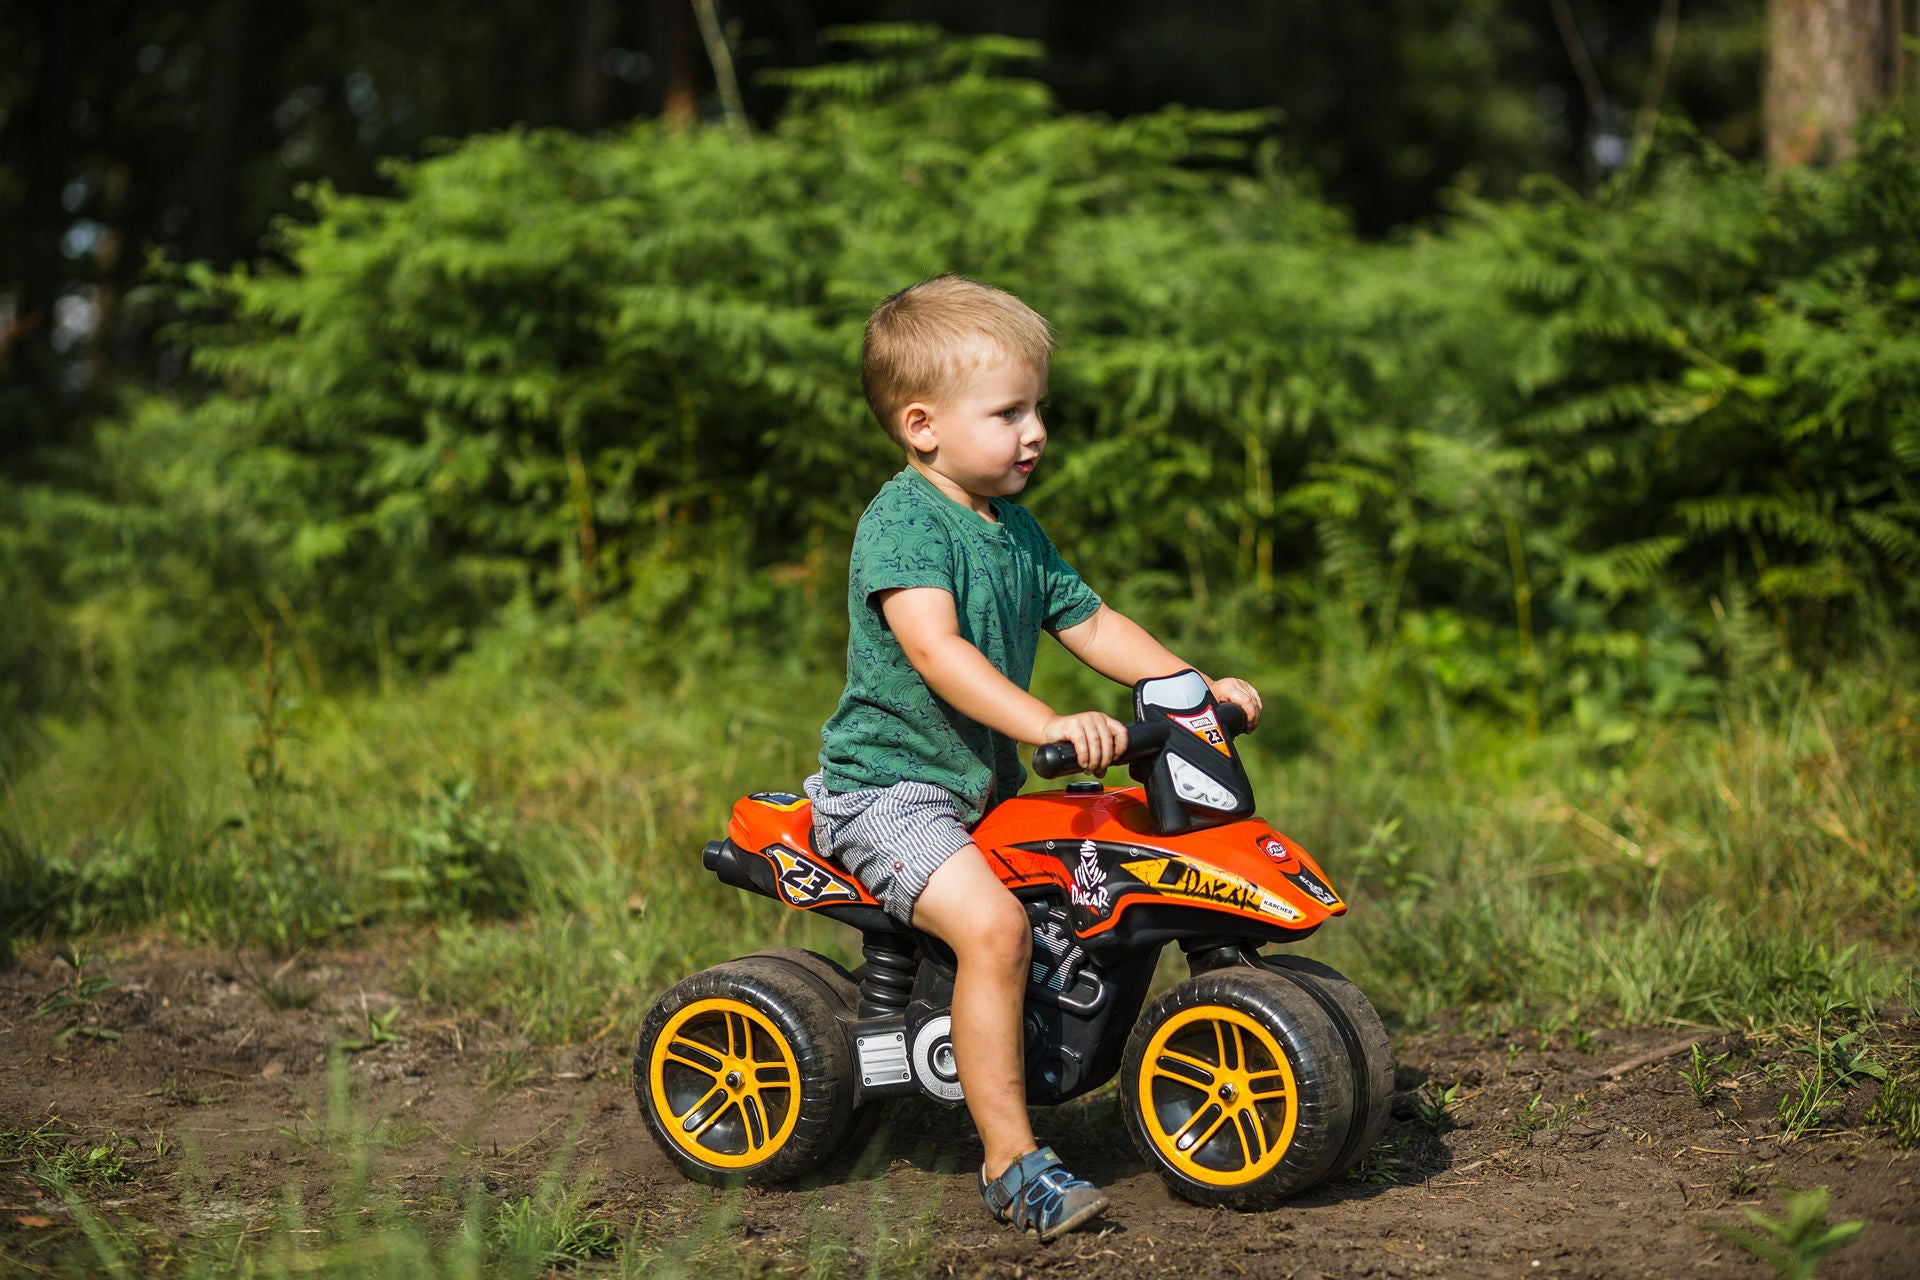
[(949, 590)]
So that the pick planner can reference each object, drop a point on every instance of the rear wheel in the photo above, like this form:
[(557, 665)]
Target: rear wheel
[(1236, 1087), (742, 1072), (1369, 1050), (866, 1117)]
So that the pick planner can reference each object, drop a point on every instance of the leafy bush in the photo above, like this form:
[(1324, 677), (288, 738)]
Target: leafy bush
[(460, 861), (1556, 455)]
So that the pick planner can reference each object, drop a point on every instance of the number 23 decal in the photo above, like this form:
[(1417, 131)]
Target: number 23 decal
[(808, 884)]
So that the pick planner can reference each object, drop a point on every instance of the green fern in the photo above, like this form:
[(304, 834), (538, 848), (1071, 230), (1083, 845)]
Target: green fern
[(569, 375)]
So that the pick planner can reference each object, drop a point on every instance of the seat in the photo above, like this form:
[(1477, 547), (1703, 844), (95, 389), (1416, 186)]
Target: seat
[(772, 817)]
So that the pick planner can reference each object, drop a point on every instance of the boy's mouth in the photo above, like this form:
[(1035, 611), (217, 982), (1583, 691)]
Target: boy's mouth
[(1025, 468)]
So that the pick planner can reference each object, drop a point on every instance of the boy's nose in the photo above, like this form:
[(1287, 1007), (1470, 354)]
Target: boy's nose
[(1036, 432)]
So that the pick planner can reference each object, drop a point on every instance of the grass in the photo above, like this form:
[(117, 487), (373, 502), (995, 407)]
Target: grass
[(549, 845), (1539, 1116), (75, 1004), (1898, 1108), (551, 1227), (1794, 1245), (1734, 871), (61, 1163), (1839, 1062), (271, 984), (1700, 1074), (1385, 1165), (535, 842), (338, 1216), (1438, 1109), (1739, 868), (374, 1030)]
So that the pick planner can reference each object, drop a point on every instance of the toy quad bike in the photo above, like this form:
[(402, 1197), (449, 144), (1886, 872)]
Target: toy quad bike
[(1256, 1077)]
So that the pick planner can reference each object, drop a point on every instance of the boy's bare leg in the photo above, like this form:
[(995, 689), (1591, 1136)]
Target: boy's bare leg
[(965, 906)]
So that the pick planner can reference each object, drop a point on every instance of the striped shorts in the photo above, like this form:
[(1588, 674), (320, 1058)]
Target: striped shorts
[(891, 838)]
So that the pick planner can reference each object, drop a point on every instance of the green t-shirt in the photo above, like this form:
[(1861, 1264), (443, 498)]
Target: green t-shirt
[(1007, 583)]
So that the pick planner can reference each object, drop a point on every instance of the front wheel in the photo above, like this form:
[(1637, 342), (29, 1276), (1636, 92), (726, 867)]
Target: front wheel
[(1369, 1050), (742, 1073), (1236, 1086)]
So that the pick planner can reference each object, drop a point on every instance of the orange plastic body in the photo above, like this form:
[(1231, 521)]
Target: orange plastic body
[(1097, 848)]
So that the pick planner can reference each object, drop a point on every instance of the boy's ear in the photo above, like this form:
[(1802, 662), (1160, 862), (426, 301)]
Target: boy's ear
[(916, 427)]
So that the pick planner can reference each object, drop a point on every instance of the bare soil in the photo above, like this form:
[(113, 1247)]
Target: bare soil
[(216, 1101)]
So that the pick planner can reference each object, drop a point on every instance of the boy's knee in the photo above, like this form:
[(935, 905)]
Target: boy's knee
[(997, 934), (1009, 936), (970, 910)]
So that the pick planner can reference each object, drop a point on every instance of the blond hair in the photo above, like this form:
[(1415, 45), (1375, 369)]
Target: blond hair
[(923, 340)]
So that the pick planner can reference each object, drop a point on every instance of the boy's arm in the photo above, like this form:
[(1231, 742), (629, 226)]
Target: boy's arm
[(925, 623), (1122, 650)]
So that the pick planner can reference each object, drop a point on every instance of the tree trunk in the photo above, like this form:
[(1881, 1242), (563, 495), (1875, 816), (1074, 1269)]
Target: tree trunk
[(586, 89), (1829, 62), (48, 133), (215, 176), (672, 42)]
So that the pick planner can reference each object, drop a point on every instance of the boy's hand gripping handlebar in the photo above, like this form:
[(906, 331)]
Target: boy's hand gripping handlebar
[(1144, 741)]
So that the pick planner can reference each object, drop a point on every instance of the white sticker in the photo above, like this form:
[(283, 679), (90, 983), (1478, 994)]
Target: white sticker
[(1090, 880)]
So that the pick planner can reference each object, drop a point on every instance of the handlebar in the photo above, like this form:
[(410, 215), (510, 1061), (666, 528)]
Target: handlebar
[(1144, 741)]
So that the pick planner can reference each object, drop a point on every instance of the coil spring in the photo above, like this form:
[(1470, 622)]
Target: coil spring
[(887, 984)]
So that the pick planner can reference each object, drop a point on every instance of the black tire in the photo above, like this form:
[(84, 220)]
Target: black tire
[(834, 976), (866, 1116), (1235, 1086), (742, 1072), (1369, 1050)]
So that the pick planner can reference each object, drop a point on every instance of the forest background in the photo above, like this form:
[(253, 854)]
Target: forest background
[(432, 446)]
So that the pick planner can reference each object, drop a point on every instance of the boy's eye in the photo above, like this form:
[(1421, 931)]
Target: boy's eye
[(1011, 413)]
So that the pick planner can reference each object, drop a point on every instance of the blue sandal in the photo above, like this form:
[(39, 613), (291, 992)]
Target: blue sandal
[(1037, 1194)]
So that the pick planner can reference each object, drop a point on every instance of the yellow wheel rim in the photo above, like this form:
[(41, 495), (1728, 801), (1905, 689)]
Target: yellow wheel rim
[(1217, 1096), (725, 1083)]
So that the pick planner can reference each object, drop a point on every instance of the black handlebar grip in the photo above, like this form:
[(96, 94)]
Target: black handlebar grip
[(1058, 759), (1055, 760)]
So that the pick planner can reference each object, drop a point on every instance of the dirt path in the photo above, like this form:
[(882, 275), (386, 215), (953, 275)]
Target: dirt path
[(1581, 1164)]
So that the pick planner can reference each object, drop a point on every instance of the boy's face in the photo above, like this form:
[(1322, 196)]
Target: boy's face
[(981, 437)]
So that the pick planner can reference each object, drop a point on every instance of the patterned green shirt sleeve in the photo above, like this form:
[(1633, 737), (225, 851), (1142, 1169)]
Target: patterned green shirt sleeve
[(1008, 584)]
